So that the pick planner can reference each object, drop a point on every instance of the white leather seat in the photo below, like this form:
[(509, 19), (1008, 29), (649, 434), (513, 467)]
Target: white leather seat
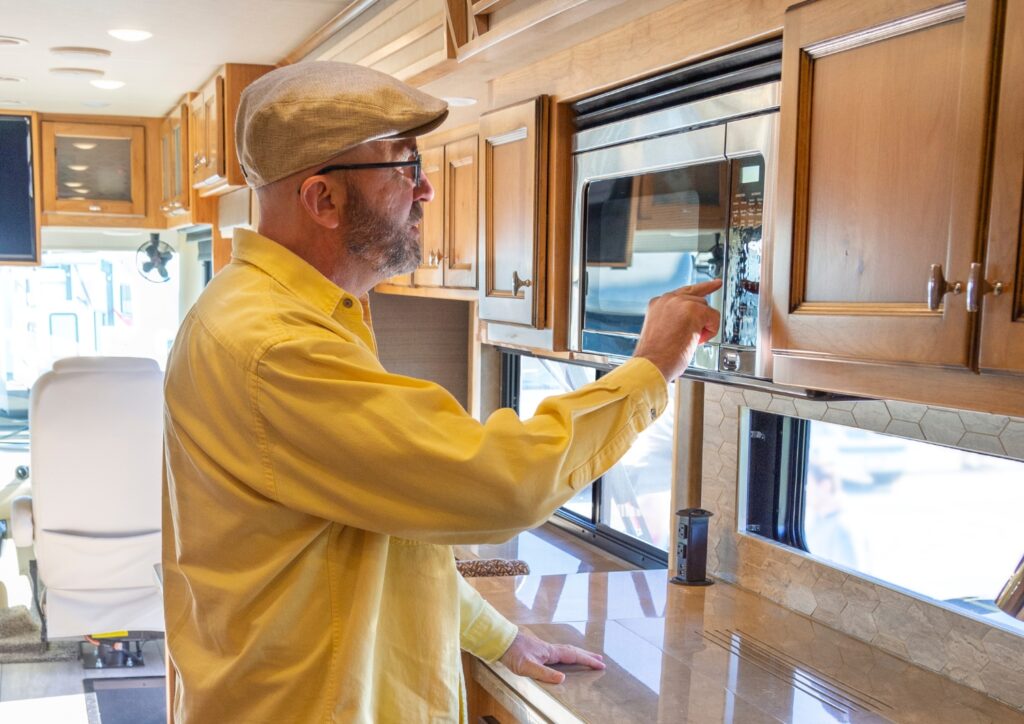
[(94, 516)]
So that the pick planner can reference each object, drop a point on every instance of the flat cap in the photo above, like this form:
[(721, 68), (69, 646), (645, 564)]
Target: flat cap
[(301, 115)]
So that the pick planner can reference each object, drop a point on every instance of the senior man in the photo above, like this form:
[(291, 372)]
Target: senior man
[(312, 496)]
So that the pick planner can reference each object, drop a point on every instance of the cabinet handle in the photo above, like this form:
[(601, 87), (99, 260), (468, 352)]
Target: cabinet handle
[(518, 283), (938, 287), (978, 286)]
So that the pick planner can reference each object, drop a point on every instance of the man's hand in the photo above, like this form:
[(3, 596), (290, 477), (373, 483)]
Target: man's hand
[(676, 324), (528, 655)]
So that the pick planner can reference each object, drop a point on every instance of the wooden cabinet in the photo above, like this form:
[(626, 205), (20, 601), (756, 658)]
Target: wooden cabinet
[(94, 168), (881, 203), (215, 168), (492, 701), (175, 176), (449, 228), (1001, 345), (513, 213)]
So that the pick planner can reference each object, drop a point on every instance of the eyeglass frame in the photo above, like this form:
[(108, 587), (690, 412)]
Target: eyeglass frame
[(416, 163)]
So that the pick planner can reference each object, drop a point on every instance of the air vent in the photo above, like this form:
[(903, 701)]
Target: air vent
[(88, 72), (8, 40), (800, 676), (79, 51)]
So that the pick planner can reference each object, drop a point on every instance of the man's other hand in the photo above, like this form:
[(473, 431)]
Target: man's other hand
[(676, 324), (528, 656)]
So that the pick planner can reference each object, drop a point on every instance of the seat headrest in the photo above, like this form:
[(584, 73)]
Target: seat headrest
[(106, 364)]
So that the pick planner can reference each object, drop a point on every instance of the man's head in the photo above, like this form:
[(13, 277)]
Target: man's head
[(330, 149)]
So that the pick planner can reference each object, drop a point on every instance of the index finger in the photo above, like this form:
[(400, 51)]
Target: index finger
[(700, 290), (566, 654)]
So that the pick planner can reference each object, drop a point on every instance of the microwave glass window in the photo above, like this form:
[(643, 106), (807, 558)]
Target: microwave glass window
[(743, 265), (646, 235)]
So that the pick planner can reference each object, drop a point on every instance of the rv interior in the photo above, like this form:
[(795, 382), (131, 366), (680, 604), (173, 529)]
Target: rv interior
[(823, 526)]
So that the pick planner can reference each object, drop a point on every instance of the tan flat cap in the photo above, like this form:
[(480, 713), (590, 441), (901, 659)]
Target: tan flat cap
[(301, 115)]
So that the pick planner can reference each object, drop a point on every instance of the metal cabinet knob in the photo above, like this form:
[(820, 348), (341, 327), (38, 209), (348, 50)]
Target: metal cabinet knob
[(978, 286), (938, 287), (518, 283)]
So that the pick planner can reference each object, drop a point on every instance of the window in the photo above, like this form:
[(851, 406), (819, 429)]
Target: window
[(628, 509), (936, 521)]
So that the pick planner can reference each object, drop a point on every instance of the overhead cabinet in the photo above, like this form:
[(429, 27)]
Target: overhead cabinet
[(513, 212), (215, 168), (175, 178), (883, 188), (94, 169)]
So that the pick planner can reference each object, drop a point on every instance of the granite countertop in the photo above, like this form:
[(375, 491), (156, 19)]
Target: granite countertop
[(714, 654)]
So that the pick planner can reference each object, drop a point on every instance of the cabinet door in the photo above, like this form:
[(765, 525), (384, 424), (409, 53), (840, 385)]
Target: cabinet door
[(94, 168), (883, 144), (430, 273), (1002, 315), (213, 100), (460, 218), (513, 160), (166, 166), (197, 139)]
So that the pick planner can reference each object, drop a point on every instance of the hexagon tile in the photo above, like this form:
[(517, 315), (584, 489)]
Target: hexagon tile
[(963, 649)]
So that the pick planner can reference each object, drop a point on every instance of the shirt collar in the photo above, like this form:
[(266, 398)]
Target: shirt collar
[(294, 273)]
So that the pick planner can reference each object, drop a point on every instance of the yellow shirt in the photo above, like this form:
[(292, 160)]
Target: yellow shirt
[(312, 497)]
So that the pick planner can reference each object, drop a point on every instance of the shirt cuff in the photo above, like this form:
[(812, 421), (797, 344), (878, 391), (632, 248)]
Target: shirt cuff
[(651, 389), (489, 634)]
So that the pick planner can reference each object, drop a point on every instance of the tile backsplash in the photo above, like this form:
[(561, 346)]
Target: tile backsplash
[(968, 651)]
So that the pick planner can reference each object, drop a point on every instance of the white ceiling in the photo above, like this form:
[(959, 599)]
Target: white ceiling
[(191, 38)]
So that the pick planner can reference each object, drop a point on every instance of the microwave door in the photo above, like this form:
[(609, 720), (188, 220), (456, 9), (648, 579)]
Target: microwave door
[(649, 216)]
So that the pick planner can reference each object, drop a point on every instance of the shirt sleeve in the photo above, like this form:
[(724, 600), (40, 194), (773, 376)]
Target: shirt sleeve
[(343, 439), (484, 632)]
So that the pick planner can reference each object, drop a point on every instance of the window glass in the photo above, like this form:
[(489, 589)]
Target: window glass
[(637, 491), (81, 303), (541, 378)]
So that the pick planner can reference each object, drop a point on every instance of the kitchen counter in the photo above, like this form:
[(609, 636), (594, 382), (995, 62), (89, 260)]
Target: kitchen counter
[(712, 654)]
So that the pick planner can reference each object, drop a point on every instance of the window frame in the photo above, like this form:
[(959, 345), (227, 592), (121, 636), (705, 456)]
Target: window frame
[(593, 531)]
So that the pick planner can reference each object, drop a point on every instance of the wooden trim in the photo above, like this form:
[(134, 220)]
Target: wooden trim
[(959, 389), (559, 222), (326, 31), (462, 295), (874, 309), (35, 127), (457, 28), (435, 22), (524, 20), (356, 34), (484, 7)]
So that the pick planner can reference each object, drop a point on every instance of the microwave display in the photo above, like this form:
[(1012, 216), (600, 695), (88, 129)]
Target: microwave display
[(650, 233)]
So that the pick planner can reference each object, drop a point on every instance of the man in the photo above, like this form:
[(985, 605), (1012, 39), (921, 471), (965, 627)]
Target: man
[(312, 497)]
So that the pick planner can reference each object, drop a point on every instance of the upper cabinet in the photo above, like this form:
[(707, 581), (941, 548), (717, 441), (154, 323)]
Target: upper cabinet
[(449, 228), (883, 180), (175, 176), (94, 169), (513, 214), (215, 168), (999, 284)]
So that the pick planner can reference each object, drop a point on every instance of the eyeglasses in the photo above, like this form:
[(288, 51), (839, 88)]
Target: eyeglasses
[(415, 164)]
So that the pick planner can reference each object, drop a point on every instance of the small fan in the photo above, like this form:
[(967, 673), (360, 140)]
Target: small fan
[(152, 259)]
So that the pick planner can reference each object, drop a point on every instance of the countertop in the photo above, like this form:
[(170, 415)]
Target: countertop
[(714, 654)]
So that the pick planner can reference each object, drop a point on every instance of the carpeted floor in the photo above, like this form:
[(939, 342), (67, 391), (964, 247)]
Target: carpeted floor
[(20, 641), (129, 700)]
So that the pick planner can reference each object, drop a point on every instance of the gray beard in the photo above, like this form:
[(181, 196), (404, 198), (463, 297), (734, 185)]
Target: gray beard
[(387, 247)]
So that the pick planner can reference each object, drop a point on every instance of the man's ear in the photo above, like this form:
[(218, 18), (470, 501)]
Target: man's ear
[(322, 201)]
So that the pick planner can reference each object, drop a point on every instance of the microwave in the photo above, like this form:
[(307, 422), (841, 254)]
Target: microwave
[(669, 198)]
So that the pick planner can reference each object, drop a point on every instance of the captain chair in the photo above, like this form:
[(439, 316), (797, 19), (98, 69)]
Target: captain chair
[(94, 514)]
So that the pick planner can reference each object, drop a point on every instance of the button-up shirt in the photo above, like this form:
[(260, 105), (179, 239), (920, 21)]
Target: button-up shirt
[(312, 497)]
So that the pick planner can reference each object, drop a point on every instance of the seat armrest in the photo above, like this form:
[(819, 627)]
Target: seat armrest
[(21, 521)]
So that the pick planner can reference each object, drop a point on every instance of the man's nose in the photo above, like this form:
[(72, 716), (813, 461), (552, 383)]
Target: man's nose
[(424, 190)]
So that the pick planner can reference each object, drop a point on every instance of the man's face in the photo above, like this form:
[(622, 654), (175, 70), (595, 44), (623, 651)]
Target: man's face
[(384, 210)]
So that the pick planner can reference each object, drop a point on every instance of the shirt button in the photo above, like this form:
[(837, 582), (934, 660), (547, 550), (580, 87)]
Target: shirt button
[(654, 414), (347, 303)]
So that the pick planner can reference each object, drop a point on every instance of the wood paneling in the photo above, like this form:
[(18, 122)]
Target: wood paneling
[(908, 85), (1002, 316), (513, 205)]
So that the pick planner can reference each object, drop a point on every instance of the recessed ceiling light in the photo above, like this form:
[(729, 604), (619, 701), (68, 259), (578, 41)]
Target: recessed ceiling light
[(78, 167), (459, 101), (96, 104), (11, 79), (94, 72), (11, 40), (76, 50), (108, 84), (11, 102), (84, 146), (81, 191), (130, 36), (72, 184)]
